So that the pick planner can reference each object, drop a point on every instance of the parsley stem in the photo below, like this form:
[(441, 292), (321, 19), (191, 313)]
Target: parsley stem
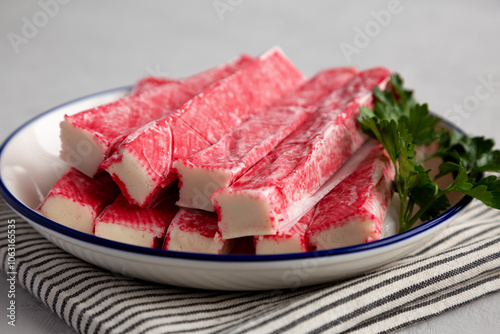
[(402, 222), (400, 192), (425, 207)]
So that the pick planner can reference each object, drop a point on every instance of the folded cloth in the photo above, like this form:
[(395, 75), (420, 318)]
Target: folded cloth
[(460, 265)]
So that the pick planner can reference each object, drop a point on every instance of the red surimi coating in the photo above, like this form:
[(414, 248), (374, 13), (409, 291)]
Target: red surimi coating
[(232, 101), (353, 212), (102, 128), (75, 193), (135, 225), (197, 221), (96, 192), (150, 82), (199, 123), (195, 231), (241, 148), (301, 163)]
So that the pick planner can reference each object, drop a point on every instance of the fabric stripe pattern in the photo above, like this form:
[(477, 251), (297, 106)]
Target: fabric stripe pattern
[(460, 265)]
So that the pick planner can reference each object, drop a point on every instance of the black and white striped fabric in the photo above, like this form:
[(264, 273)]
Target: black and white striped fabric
[(462, 264)]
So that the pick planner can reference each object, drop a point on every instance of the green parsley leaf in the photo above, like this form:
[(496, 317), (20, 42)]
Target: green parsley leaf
[(487, 190), (401, 125), (426, 195)]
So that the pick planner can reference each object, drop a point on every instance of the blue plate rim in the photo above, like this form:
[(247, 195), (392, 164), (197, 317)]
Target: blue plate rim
[(37, 218)]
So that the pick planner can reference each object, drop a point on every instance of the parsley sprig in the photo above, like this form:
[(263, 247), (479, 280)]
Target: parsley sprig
[(402, 125)]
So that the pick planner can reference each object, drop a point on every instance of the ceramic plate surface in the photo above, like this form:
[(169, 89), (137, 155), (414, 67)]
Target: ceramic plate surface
[(29, 166)]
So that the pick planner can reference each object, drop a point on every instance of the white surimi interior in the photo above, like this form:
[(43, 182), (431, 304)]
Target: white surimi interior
[(291, 244), (243, 214), (124, 234), (79, 149), (354, 232), (192, 242), (198, 184), (131, 172), (69, 213)]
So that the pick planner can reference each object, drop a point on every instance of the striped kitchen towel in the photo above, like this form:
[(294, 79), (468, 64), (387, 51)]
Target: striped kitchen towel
[(460, 265)]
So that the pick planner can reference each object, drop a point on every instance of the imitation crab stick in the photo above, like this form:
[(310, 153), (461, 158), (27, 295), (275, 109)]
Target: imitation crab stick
[(142, 163), (256, 204), (291, 241), (224, 162), (353, 212), (196, 231), (76, 199), (127, 223), (91, 136)]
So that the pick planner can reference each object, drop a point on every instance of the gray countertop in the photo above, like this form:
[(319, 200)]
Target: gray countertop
[(53, 51)]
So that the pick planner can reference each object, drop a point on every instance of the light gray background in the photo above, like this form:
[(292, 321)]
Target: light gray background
[(445, 50)]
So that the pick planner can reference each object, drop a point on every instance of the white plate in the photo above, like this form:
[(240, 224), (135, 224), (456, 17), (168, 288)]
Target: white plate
[(29, 166)]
